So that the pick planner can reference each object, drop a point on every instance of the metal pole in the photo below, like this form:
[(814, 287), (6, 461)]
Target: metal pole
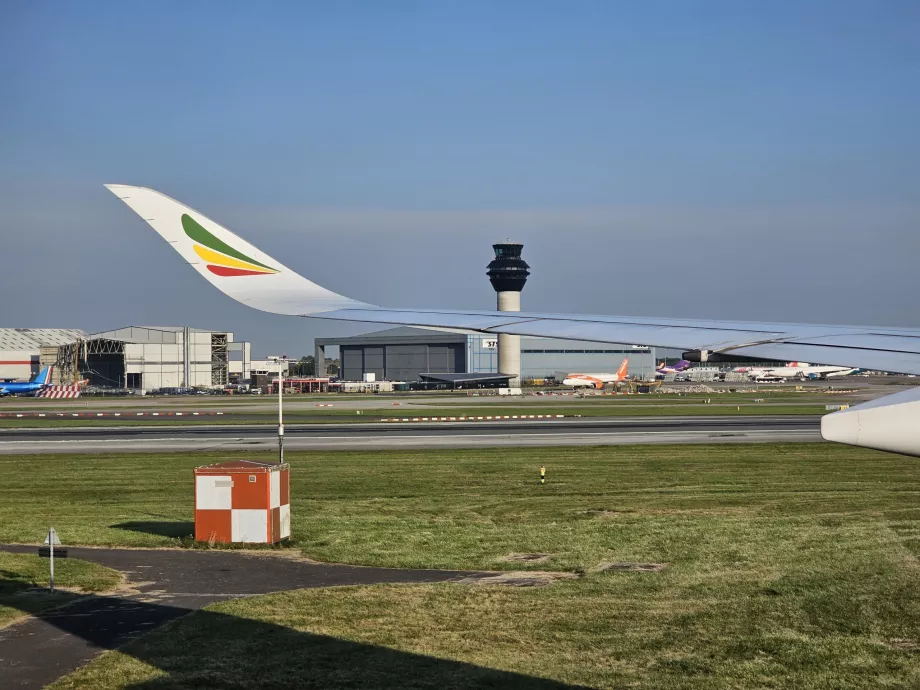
[(280, 412), (51, 555)]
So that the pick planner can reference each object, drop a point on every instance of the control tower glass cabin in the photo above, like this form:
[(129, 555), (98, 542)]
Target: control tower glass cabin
[(508, 271)]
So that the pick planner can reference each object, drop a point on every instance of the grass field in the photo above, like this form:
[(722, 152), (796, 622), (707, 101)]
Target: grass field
[(345, 416), (23, 578), (432, 399), (468, 508), (785, 566)]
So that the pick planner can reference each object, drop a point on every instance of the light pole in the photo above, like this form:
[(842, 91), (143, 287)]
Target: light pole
[(281, 361)]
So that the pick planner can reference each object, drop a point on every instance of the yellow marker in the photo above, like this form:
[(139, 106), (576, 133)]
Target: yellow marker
[(543, 474)]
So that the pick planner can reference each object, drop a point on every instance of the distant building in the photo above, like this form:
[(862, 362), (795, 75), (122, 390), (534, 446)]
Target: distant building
[(23, 351), (153, 357), (403, 354)]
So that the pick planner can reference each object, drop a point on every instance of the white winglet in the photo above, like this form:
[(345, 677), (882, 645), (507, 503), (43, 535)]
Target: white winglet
[(231, 264)]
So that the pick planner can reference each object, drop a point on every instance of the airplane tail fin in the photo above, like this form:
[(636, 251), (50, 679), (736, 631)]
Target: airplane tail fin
[(624, 369), (44, 376), (230, 263)]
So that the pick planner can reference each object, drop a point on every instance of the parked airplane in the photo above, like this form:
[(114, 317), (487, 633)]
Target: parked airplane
[(252, 277), (664, 370), (597, 380), (38, 382), (795, 370)]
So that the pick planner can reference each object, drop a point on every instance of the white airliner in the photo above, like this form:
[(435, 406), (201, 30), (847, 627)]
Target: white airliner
[(794, 370), (597, 380), (250, 276)]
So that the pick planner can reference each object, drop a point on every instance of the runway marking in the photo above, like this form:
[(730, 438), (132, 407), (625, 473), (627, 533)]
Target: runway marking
[(273, 440), (465, 419)]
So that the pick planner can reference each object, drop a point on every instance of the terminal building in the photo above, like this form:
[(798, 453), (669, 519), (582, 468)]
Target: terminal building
[(407, 354)]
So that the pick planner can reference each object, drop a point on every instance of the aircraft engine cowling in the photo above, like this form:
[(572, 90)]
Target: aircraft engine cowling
[(888, 423)]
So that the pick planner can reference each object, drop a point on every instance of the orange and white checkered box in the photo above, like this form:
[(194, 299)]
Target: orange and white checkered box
[(243, 501)]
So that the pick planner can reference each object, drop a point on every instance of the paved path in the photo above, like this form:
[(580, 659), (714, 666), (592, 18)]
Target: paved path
[(569, 431), (165, 584)]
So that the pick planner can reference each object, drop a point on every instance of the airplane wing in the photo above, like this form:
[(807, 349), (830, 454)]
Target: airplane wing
[(250, 276)]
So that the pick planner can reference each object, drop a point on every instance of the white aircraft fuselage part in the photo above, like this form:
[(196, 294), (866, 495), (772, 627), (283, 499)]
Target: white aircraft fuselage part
[(248, 275), (597, 380), (803, 371), (590, 380), (888, 423)]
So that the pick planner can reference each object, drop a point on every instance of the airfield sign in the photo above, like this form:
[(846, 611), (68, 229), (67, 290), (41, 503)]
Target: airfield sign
[(51, 541)]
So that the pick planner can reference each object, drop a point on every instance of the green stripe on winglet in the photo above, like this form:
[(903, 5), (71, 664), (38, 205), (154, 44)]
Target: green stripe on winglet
[(202, 236)]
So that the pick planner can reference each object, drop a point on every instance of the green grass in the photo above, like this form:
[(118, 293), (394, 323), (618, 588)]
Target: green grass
[(788, 566), (467, 508), (606, 410), (350, 416), (25, 577)]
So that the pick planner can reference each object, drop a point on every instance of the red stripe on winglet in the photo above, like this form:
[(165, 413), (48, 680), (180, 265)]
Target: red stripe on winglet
[(227, 271)]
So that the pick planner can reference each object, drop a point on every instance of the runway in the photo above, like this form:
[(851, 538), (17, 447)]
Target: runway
[(562, 432)]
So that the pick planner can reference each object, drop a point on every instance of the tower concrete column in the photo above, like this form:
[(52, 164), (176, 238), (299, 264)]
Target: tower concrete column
[(509, 346), (508, 273)]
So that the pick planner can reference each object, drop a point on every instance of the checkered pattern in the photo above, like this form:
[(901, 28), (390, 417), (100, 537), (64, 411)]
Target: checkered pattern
[(242, 502)]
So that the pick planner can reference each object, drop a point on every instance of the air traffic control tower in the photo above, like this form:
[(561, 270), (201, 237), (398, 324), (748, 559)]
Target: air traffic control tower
[(508, 272)]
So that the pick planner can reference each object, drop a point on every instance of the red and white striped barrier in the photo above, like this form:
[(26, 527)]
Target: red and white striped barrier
[(59, 391), (325, 405), (473, 419), (96, 415), (57, 394)]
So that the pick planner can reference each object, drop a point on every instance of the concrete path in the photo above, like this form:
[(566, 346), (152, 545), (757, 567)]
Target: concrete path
[(163, 585)]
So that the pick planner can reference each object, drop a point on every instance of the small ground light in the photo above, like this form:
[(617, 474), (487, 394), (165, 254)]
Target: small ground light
[(543, 474)]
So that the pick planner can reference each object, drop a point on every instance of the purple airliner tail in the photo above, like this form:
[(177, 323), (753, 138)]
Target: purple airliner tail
[(674, 368)]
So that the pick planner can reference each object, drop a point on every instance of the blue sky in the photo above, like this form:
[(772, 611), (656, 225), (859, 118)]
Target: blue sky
[(763, 155)]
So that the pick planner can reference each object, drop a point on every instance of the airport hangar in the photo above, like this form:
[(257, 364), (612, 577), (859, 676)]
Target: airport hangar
[(137, 357), (24, 351), (408, 354)]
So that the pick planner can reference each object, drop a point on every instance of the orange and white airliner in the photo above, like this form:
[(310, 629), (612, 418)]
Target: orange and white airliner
[(597, 380)]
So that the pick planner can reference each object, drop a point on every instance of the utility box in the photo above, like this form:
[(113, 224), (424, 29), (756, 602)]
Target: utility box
[(243, 501)]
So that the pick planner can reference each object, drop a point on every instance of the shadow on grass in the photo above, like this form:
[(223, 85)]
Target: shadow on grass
[(26, 597), (217, 650), (172, 529)]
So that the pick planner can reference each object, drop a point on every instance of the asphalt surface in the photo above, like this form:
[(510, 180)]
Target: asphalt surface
[(382, 435), (163, 585)]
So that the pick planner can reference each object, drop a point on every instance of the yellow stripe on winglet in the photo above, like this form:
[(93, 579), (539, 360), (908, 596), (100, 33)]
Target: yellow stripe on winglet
[(224, 260)]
